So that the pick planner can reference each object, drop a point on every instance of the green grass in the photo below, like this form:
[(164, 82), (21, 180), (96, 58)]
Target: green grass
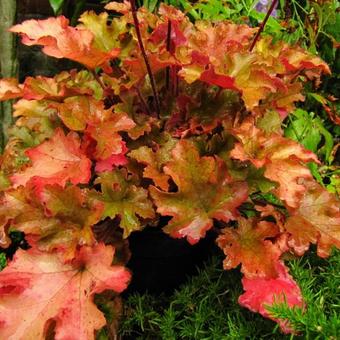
[(206, 307), (3, 261)]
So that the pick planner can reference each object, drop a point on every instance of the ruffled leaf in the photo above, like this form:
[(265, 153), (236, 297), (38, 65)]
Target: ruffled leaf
[(106, 35), (249, 245), (120, 7), (218, 54), (10, 89), (52, 218), (124, 199), (205, 192), (60, 40), (262, 292), (316, 221), (154, 161), (283, 159), (37, 288), (56, 161), (109, 141)]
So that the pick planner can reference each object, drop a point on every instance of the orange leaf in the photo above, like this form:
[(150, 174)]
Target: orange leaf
[(63, 41), (52, 218), (78, 111), (10, 89), (43, 88), (283, 159), (123, 8), (205, 192), (124, 199), (298, 59), (105, 133), (289, 174), (249, 246), (154, 161), (317, 221), (56, 161), (37, 288)]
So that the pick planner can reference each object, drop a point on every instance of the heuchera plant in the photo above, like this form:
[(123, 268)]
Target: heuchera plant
[(167, 118)]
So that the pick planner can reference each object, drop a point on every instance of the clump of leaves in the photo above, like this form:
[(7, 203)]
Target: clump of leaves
[(168, 118)]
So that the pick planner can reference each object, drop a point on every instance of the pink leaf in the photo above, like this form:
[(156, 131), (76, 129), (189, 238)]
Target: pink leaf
[(260, 292), (37, 288), (56, 161)]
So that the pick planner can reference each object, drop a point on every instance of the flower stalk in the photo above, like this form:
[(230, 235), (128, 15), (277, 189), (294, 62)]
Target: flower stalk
[(263, 24), (145, 57)]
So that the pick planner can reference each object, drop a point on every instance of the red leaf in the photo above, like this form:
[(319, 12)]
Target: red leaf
[(105, 133), (114, 160), (212, 78), (260, 292), (36, 288), (160, 34), (298, 59), (56, 161)]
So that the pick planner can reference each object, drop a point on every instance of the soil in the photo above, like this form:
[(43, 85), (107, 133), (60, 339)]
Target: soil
[(160, 264)]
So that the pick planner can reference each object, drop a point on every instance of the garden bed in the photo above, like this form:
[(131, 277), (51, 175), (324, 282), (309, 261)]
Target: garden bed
[(186, 164)]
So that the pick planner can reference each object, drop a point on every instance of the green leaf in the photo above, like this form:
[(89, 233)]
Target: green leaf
[(332, 28), (56, 5), (150, 4), (309, 131), (334, 185), (313, 167), (122, 198), (4, 181), (268, 197), (270, 122), (3, 261), (272, 23), (257, 181), (304, 130), (329, 143)]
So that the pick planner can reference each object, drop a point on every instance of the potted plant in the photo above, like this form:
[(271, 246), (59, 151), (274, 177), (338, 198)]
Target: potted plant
[(166, 119)]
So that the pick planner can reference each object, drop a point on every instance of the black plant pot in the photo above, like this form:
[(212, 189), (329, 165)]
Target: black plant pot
[(160, 264)]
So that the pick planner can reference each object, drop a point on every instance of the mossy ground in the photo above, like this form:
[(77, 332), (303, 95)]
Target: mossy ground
[(206, 306)]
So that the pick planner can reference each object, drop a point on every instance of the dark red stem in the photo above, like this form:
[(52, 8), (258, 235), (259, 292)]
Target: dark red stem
[(142, 100), (168, 46), (145, 57), (263, 24)]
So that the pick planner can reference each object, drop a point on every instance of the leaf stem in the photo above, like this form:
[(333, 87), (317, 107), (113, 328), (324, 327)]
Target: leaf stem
[(145, 57), (142, 100), (263, 24), (98, 79), (168, 46), (102, 85)]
